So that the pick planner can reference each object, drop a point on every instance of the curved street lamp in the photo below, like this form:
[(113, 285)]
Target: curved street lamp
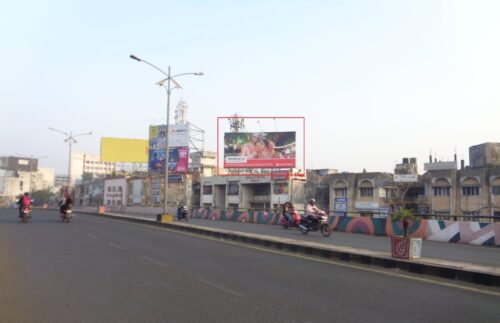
[(70, 139), (169, 79)]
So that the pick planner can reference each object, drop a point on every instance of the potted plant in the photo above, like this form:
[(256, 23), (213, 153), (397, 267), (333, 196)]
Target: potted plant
[(404, 246)]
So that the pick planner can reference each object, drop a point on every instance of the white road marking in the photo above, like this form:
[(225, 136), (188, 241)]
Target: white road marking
[(114, 245), (154, 261), (331, 262), (220, 287), (92, 236)]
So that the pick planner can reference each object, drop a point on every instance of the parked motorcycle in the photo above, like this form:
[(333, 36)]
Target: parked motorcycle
[(25, 214), (67, 215), (294, 221), (321, 223)]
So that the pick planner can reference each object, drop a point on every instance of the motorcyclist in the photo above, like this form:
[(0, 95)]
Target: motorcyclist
[(65, 204), (182, 211), (24, 201), (312, 211)]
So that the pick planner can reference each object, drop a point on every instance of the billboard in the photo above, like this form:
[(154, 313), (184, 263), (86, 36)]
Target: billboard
[(178, 136), (259, 149), (19, 164), (122, 150), (177, 164)]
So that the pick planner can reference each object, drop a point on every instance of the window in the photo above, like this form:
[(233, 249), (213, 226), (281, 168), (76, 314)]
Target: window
[(340, 191), (119, 202), (438, 191), (496, 190), (262, 190), (109, 188), (366, 191), (207, 189), (119, 188), (114, 188), (470, 190), (233, 188), (109, 202)]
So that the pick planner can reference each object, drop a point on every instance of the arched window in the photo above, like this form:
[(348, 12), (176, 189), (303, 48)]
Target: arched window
[(340, 189), (470, 187), (441, 187), (366, 188), (495, 186)]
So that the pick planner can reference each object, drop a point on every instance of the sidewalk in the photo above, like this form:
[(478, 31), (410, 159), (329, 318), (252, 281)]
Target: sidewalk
[(476, 255)]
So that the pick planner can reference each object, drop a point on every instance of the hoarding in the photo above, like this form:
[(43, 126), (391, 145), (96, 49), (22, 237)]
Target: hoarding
[(123, 150), (178, 136), (340, 206), (259, 150), (440, 166), (19, 164), (177, 164), (405, 178)]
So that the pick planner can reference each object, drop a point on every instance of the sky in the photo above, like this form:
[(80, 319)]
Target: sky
[(376, 81)]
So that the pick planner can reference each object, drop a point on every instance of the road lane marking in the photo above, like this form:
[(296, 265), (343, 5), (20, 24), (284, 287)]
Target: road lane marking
[(222, 288), (114, 245), (76, 229), (159, 263), (330, 262), (92, 236)]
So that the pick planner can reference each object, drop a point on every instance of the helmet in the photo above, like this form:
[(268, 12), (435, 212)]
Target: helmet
[(312, 201)]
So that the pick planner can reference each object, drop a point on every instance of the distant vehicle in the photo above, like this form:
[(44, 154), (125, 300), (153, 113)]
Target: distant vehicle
[(67, 215), (25, 214)]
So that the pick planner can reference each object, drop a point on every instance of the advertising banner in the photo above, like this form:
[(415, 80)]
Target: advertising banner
[(259, 149), (137, 191), (177, 164), (178, 136), (340, 206), (123, 150), (19, 164)]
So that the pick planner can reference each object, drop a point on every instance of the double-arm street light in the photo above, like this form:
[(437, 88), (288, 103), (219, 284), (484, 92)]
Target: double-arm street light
[(70, 139), (169, 80)]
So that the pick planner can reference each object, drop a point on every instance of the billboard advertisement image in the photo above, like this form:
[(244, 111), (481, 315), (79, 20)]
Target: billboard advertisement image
[(123, 150), (19, 164), (259, 149), (178, 136), (177, 164)]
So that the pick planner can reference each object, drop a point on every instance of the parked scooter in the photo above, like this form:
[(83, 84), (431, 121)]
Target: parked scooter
[(314, 224)]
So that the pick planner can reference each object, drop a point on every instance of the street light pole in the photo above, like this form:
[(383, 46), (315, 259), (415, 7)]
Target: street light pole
[(70, 139), (169, 79)]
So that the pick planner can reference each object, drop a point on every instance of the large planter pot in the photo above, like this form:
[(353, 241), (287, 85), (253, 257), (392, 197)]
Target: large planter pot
[(405, 247)]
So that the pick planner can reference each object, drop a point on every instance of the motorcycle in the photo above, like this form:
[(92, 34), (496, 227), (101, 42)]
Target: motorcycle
[(67, 215), (25, 214), (321, 223), (294, 221), (182, 213)]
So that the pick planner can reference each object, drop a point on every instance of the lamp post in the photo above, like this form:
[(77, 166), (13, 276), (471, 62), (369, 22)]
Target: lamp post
[(168, 87), (70, 139)]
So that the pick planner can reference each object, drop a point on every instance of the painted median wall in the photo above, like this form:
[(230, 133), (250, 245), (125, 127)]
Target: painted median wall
[(466, 232)]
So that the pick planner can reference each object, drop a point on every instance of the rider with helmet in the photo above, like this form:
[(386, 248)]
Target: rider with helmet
[(312, 211)]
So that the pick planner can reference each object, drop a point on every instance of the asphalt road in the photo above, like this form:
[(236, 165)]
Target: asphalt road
[(100, 270), (479, 255)]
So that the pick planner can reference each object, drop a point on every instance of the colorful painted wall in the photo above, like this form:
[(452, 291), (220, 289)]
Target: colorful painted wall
[(485, 234)]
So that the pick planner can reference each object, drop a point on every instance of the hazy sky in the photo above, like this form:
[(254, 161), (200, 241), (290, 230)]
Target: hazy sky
[(375, 80)]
